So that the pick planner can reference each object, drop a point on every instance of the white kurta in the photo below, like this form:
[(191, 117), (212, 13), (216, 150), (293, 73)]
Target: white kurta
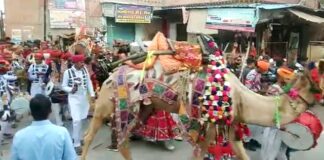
[(37, 81), (78, 101)]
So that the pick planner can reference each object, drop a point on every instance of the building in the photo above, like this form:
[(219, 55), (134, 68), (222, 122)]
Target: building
[(24, 20)]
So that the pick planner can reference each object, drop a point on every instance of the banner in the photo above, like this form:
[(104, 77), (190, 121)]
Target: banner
[(133, 14), (66, 18), (234, 19)]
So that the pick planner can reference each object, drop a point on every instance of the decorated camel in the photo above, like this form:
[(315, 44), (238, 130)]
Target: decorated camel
[(213, 98)]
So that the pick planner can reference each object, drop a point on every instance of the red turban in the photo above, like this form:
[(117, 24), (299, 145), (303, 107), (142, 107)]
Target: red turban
[(66, 55), (39, 56), (56, 54), (78, 58), (7, 54)]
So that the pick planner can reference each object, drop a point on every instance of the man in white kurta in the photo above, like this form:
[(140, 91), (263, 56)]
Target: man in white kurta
[(38, 74), (77, 83)]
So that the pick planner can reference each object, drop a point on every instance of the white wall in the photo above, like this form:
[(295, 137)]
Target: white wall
[(173, 31)]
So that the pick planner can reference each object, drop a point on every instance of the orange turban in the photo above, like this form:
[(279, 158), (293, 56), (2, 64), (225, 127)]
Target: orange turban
[(263, 66), (286, 73)]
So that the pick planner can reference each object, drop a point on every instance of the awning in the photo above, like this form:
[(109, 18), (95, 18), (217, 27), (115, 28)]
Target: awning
[(307, 17), (197, 22)]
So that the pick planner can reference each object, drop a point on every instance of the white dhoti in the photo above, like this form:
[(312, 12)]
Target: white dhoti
[(36, 88), (272, 147), (256, 133), (79, 108)]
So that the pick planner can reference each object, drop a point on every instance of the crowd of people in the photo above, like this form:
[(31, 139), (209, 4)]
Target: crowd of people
[(75, 77)]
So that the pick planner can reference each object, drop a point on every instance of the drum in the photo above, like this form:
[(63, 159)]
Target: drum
[(303, 133), (20, 105), (57, 95)]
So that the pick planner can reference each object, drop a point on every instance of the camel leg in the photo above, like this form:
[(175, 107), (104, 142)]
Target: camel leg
[(95, 125), (104, 108), (204, 145), (124, 150), (237, 146)]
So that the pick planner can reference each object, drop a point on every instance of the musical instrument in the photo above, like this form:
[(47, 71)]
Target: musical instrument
[(31, 58), (20, 105), (57, 95), (303, 133)]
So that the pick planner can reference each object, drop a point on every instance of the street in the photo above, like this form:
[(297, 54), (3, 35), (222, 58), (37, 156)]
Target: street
[(142, 150)]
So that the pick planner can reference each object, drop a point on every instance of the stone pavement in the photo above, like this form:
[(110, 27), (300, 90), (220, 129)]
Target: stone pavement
[(149, 151)]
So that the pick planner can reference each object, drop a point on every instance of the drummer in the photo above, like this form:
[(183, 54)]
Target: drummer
[(56, 70), (5, 115), (272, 146), (38, 75)]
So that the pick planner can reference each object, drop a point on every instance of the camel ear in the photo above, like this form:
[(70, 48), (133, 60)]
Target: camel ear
[(321, 66)]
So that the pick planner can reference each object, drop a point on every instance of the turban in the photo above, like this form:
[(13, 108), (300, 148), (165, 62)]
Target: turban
[(78, 58), (263, 66), (66, 55), (7, 54), (56, 54), (39, 56), (286, 73)]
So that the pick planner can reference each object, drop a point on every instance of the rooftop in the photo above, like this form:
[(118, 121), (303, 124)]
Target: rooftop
[(312, 4)]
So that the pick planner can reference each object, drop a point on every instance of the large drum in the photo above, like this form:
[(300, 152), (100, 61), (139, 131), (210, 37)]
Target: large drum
[(19, 106), (303, 133), (57, 95)]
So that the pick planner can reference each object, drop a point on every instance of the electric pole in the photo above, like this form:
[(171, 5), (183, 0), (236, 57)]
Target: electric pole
[(45, 20)]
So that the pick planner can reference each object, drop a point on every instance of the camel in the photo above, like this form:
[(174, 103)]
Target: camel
[(248, 107)]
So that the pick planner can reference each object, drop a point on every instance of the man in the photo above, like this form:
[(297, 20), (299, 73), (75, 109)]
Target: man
[(250, 64), (253, 82), (5, 98), (38, 75), (77, 83), (272, 147), (56, 69), (253, 78), (42, 140), (11, 76)]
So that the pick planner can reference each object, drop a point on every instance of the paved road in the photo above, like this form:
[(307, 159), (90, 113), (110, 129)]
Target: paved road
[(149, 151)]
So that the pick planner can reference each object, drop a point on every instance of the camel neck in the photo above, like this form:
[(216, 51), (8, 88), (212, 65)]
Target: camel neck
[(253, 108)]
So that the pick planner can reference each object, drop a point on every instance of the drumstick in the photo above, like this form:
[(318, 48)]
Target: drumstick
[(96, 146)]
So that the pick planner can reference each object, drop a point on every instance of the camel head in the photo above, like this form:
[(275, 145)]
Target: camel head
[(310, 83)]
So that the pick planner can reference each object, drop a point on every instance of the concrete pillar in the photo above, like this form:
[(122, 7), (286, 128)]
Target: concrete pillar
[(139, 32)]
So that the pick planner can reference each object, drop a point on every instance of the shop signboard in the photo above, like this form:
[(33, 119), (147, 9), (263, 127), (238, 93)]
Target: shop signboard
[(234, 19), (133, 14), (66, 18)]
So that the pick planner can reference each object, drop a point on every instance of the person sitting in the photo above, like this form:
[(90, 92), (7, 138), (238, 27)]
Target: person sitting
[(42, 139)]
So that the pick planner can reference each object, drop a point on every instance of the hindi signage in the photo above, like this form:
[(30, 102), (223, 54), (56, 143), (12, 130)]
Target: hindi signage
[(133, 14), (234, 19)]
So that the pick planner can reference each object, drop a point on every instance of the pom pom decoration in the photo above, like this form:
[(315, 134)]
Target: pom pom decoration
[(293, 93), (216, 97)]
